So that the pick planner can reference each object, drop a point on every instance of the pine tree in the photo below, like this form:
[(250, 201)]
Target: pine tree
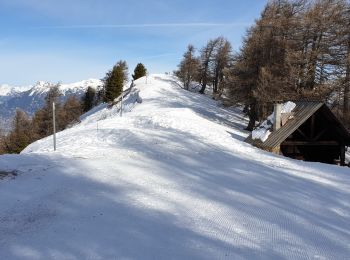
[(88, 99), (297, 49), (140, 71), (346, 64), (42, 120), (21, 135), (2, 142), (222, 59), (206, 59), (124, 69), (261, 72), (189, 67), (69, 113), (115, 80)]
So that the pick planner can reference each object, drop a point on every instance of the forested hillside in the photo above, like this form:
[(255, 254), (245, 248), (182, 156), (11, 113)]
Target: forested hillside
[(297, 49)]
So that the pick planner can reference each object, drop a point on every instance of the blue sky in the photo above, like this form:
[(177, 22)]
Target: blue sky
[(71, 40)]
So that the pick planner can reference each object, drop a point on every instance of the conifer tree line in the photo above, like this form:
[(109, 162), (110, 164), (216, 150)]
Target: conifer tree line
[(25, 129), (207, 67), (297, 49), (114, 81), (117, 77)]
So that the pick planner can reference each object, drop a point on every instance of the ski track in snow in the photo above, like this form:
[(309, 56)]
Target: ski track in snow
[(171, 179)]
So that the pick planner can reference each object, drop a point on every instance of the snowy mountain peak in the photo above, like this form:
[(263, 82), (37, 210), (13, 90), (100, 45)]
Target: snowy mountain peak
[(31, 98), (40, 87), (7, 90), (81, 85)]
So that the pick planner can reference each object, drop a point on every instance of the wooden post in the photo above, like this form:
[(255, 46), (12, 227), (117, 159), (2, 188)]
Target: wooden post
[(54, 125), (121, 105), (312, 128), (277, 116), (342, 154)]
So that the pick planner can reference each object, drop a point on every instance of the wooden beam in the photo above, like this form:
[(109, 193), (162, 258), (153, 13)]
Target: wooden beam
[(303, 134), (314, 138), (319, 134), (342, 155), (314, 143), (312, 129)]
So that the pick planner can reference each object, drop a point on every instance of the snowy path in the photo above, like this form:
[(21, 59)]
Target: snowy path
[(172, 179)]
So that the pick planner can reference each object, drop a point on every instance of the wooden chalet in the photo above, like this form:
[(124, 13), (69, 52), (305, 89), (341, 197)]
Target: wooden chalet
[(311, 132)]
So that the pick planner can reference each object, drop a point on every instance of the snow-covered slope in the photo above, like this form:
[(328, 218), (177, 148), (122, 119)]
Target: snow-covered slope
[(171, 179), (31, 98)]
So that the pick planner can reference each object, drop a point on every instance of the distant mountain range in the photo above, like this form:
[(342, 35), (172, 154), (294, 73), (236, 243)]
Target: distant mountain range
[(32, 98)]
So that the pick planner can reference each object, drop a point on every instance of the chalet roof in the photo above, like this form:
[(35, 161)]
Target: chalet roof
[(301, 113)]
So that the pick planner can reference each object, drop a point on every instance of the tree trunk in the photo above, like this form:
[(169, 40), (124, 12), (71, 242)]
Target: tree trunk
[(346, 108), (201, 91), (216, 81), (311, 73), (252, 117), (205, 79)]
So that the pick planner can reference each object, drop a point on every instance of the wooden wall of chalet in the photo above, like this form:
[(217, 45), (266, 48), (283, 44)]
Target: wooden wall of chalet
[(319, 139)]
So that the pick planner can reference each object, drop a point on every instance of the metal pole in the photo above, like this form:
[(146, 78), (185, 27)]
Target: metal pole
[(54, 125), (121, 105)]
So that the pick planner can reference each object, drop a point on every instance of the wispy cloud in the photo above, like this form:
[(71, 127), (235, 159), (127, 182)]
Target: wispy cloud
[(170, 54), (146, 25)]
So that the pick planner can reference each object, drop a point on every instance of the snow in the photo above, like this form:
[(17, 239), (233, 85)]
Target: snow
[(171, 179), (263, 131), (6, 90), (102, 111), (43, 87), (40, 87), (81, 85), (288, 107)]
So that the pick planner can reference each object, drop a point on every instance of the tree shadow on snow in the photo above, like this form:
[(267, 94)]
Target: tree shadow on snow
[(267, 199), (55, 212)]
